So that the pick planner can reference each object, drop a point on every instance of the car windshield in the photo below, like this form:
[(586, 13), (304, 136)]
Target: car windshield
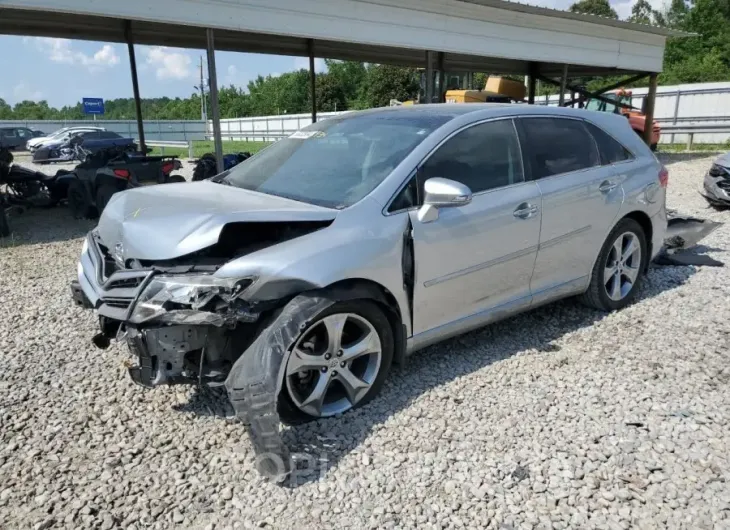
[(602, 106), (336, 162)]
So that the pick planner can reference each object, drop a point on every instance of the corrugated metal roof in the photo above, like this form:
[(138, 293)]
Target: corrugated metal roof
[(569, 15), (475, 35)]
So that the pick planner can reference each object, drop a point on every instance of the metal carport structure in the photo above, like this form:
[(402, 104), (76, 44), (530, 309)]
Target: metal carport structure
[(450, 35)]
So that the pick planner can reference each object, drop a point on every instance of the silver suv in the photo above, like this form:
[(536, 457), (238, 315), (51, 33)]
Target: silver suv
[(299, 276)]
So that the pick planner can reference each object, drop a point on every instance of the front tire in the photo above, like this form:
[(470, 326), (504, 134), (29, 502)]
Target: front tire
[(339, 362), (619, 269)]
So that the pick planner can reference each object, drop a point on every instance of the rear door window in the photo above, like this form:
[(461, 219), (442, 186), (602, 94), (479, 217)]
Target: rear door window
[(558, 145), (611, 151)]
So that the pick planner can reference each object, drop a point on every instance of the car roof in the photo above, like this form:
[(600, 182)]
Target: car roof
[(458, 114)]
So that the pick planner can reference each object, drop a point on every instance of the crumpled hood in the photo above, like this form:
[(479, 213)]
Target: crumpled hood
[(724, 160), (166, 221)]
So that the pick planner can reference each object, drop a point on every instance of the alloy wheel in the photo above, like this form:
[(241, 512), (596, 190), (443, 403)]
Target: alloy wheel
[(623, 266), (333, 365)]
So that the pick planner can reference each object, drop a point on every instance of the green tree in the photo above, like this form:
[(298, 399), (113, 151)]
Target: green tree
[(331, 94), (351, 77), (6, 111), (643, 13), (386, 82), (703, 58), (594, 7)]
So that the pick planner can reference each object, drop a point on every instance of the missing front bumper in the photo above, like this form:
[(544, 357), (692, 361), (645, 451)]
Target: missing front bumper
[(79, 297), (168, 355)]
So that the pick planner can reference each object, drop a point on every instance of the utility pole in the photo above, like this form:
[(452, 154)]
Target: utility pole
[(203, 110)]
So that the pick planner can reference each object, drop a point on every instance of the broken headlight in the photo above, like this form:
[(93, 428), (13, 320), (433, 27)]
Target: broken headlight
[(197, 292), (718, 171)]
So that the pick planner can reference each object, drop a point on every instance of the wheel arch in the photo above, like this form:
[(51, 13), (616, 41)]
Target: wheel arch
[(360, 288), (645, 222)]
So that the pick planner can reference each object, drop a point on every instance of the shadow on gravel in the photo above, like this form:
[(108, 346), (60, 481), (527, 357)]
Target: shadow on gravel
[(207, 402), (44, 225), (320, 445), (671, 158)]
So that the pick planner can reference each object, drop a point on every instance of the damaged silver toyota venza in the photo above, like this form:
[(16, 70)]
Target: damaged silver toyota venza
[(299, 276)]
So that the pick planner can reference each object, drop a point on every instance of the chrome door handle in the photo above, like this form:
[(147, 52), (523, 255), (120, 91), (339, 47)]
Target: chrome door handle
[(525, 211), (607, 186)]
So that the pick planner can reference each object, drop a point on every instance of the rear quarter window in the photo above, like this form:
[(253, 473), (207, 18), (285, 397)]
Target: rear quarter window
[(610, 149)]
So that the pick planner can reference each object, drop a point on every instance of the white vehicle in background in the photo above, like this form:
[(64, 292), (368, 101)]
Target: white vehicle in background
[(60, 135)]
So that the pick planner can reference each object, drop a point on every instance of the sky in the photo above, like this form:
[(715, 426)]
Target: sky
[(64, 71)]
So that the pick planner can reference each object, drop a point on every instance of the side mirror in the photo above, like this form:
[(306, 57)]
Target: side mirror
[(442, 193)]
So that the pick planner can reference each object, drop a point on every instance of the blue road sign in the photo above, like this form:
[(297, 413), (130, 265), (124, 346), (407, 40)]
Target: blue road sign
[(93, 105)]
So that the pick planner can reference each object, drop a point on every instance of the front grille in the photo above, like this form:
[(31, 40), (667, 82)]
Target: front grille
[(125, 283), (119, 303), (115, 287)]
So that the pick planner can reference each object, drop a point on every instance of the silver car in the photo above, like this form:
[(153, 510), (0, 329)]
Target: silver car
[(297, 278)]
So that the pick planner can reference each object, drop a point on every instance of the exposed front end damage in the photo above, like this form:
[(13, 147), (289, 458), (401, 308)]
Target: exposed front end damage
[(183, 325), (716, 185)]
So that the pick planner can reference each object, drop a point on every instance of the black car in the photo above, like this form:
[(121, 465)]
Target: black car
[(17, 137), (92, 141)]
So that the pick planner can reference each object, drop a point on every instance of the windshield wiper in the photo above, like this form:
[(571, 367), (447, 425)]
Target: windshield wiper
[(221, 178)]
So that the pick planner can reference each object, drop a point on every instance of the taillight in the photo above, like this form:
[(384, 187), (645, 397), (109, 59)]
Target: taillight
[(663, 177), (123, 173), (167, 167)]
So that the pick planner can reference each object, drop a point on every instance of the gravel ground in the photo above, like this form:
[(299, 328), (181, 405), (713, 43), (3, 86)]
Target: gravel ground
[(560, 418)]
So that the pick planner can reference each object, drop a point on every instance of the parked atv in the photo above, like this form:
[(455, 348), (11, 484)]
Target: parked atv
[(112, 170), (25, 188), (4, 224), (206, 166)]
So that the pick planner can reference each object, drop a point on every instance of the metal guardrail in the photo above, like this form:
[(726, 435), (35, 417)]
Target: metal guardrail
[(251, 136), (170, 143), (690, 130)]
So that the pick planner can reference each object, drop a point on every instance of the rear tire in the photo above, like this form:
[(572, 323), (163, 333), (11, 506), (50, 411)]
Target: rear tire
[(79, 200), (617, 276), (103, 195), (175, 179), (4, 224)]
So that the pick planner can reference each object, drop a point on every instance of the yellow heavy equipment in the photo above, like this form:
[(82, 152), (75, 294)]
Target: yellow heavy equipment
[(497, 89), (459, 89)]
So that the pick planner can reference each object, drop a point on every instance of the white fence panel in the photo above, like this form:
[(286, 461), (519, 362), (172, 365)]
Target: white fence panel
[(696, 104), (266, 128), (167, 130)]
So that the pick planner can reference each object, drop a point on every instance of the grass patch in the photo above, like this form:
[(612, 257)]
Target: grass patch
[(682, 148), (205, 146)]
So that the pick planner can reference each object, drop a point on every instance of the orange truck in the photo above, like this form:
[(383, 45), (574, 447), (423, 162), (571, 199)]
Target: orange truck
[(636, 118)]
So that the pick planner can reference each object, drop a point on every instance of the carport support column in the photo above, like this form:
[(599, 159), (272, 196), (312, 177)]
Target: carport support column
[(135, 84), (531, 83), (442, 77), (312, 80), (563, 82), (650, 99), (214, 110), (429, 77)]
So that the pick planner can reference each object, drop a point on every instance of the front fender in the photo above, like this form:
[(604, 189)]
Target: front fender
[(354, 246)]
